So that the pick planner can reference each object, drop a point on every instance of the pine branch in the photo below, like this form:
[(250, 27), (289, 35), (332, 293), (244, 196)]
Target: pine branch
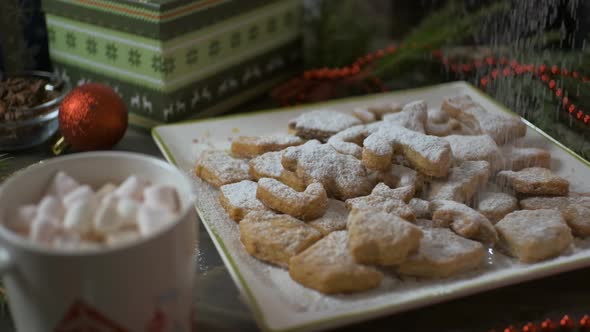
[(332, 28), (445, 26)]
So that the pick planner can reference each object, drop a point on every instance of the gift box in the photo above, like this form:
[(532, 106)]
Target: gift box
[(174, 59)]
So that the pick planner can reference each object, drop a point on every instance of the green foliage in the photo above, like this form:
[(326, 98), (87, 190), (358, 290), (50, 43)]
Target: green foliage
[(337, 31), (446, 26)]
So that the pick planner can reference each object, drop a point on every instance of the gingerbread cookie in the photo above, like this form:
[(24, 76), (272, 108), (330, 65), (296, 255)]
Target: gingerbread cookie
[(239, 198), (577, 217), (252, 146), (350, 141), (219, 168), (405, 193), (364, 115), (462, 183), (455, 106), (333, 220), (269, 165), (328, 267), (535, 181), (407, 177), (427, 223), (383, 198), (321, 124), (404, 179), (441, 254), (538, 203), (275, 238), (575, 211), (464, 221), (342, 176), (381, 238), (502, 128), (421, 208), (412, 116), (480, 147), (495, 205), (306, 205), (439, 123), (429, 155), (381, 110), (518, 158), (534, 235), (437, 115)]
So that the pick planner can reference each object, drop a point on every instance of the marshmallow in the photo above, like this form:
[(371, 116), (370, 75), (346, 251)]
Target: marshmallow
[(104, 191), (24, 218), (74, 217), (127, 211), (44, 229), (66, 240), (106, 218), (51, 207), (73, 242), (161, 197), (150, 220), (79, 215), (132, 187), (122, 237), (80, 193), (61, 185)]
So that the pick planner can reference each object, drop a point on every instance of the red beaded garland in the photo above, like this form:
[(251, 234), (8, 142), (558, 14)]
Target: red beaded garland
[(530, 327), (548, 325), (566, 323), (511, 67), (541, 72)]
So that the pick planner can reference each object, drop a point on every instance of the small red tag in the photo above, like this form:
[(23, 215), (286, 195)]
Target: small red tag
[(81, 317)]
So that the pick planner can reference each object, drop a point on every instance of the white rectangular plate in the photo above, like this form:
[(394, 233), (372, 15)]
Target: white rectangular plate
[(280, 304)]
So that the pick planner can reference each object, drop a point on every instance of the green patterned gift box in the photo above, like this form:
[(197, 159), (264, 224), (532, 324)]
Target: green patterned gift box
[(174, 59)]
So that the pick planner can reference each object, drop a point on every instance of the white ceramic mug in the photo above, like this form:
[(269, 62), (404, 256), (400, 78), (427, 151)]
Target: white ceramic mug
[(141, 286)]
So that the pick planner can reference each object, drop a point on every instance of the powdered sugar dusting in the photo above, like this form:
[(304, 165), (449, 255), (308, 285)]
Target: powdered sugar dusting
[(480, 147), (281, 140), (325, 121), (333, 220), (440, 244), (412, 116), (433, 148), (304, 305), (309, 303), (280, 231), (268, 164), (242, 195), (343, 176), (281, 190)]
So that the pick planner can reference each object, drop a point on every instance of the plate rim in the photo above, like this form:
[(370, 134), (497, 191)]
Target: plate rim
[(379, 310)]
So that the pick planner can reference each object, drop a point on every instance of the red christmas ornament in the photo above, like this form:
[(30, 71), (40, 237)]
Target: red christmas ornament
[(92, 117)]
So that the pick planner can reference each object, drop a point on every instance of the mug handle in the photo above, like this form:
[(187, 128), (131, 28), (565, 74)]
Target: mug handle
[(6, 262)]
